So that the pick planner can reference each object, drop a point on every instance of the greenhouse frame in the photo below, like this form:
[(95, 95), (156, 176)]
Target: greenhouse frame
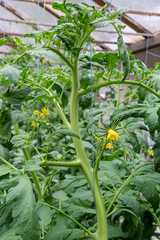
[(79, 120)]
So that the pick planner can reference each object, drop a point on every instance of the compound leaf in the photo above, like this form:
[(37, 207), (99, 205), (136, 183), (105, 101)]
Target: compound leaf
[(19, 210)]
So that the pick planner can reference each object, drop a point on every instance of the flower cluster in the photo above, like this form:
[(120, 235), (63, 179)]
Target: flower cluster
[(150, 152), (43, 114), (38, 114), (112, 136), (35, 124)]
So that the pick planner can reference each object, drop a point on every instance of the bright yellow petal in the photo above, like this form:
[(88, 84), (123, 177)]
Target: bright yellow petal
[(150, 152), (112, 135), (35, 124), (109, 146), (36, 113)]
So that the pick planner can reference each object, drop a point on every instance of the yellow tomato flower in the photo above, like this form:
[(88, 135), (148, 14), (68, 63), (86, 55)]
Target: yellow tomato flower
[(44, 112), (35, 124), (109, 146), (150, 152), (43, 61), (23, 111), (112, 135), (95, 137), (36, 113)]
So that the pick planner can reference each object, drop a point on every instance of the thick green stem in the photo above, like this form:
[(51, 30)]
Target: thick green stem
[(106, 83), (28, 157), (85, 165)]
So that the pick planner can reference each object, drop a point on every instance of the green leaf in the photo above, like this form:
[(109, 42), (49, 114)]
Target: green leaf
[(114, 232), (5, 123), (85, 81), (85, 101), (31, 166), (67, 40), (132, 110), (113, 14), (60, 195), (111, 170), (87, 144), (124, 56), (19, 140), (59, 88), (61, 7), (62, 232), (16, 96), (5, 40), (156, 79), (4, 152), (142, 93), (41, 52), (146, 185), (18, 41), (11, 73), (112, 60), (19, 210), (45, 215), (18, 116), (130, 202), (100, 22), (150, 115), (10, 235), (65, 132), (78, 207), (133, 140), (63, 26), (152, 119), (156, 149), (4, 169)]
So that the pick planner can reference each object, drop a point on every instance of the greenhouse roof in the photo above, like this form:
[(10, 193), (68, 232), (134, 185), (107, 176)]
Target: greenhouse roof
[(18, 17)]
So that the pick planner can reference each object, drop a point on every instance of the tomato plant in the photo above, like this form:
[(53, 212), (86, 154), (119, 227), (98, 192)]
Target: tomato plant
[(49, 186)]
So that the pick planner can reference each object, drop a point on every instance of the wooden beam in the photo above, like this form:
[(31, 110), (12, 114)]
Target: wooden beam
[(50, 2), (17, 13), (51, 10), (144, 13), (50, 25), (36, 1), (141, 45), (13, 10), (125, 18), (25, 22), (11, 34), (137, 12), (105, 41)]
